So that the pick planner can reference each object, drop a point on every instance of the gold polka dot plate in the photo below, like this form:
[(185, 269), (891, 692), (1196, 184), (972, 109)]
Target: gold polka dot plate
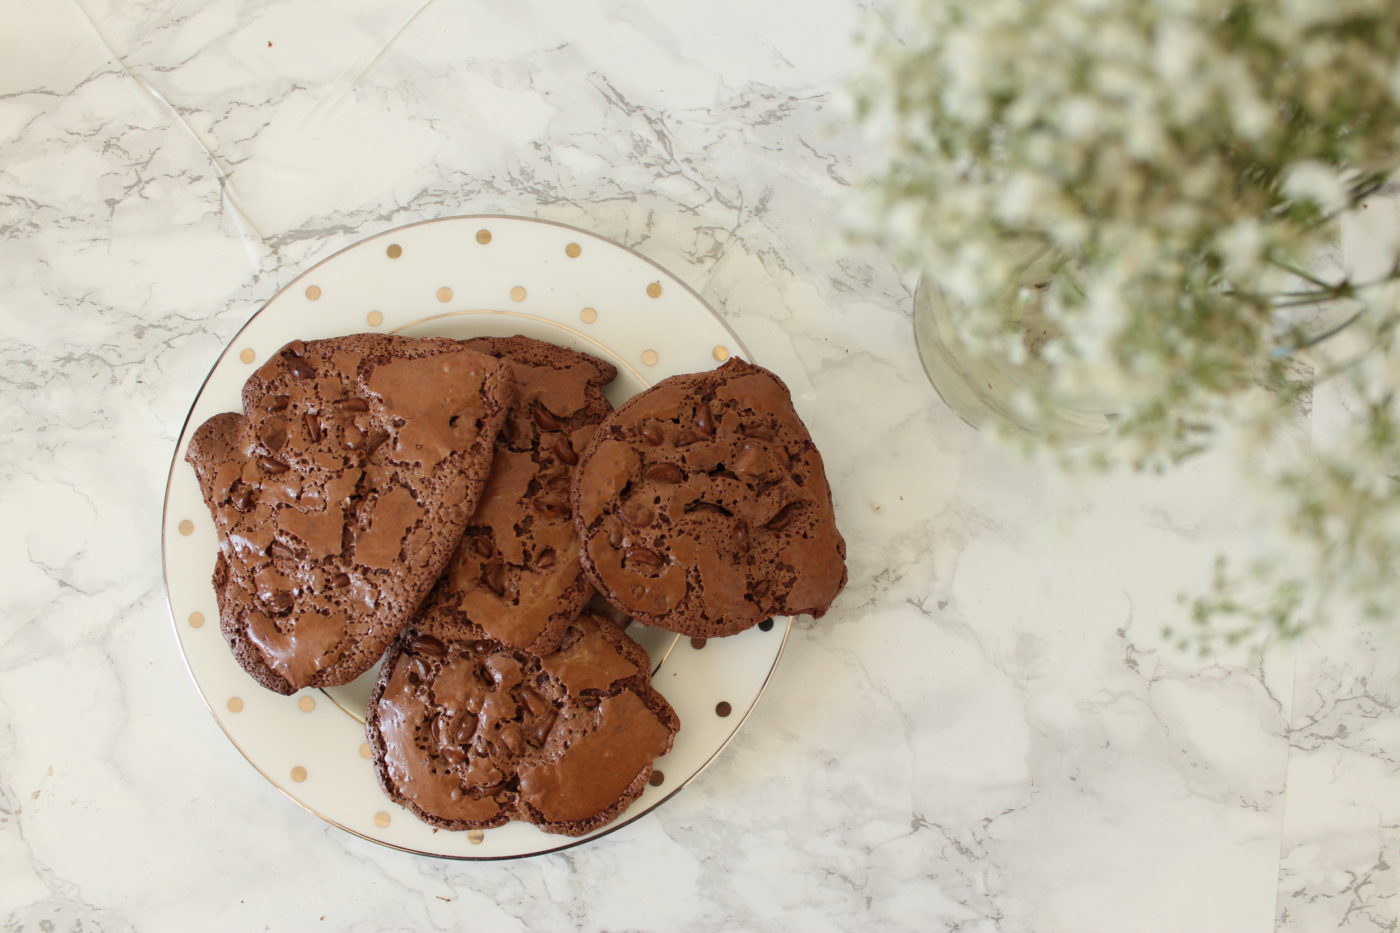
[(456, 277)]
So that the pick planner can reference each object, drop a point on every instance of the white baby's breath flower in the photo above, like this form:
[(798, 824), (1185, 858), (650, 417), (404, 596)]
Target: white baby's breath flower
[(1183, 160), (1177, 50), (1252, 115), (1242, 244), (1080, 118), (1317, 183), (1092, 336), (1144, 135)]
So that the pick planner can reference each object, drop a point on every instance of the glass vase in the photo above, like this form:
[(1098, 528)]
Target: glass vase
[(988, 390)]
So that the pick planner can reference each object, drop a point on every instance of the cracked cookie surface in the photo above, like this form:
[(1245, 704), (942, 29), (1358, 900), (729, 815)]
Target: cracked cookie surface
[(339, 493), (468, 732), (516, 572), (703, 506)]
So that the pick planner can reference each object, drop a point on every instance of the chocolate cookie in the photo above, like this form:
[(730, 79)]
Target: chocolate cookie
[(468, 732), (339, 495), (516, 573), (703, 507)]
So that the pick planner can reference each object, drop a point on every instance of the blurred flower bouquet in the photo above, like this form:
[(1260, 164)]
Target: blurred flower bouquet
[(1177, 173)]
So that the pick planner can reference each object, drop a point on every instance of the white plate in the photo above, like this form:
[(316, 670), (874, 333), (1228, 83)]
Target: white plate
[(456, 277)]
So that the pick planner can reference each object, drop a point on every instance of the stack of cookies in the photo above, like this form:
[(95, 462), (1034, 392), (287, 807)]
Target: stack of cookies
[(458, 509)]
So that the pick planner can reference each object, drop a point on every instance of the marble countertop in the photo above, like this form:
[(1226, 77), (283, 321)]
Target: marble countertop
[(986, 732)]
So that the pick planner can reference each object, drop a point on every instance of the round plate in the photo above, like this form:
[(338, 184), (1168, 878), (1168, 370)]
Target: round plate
[(457, 277)]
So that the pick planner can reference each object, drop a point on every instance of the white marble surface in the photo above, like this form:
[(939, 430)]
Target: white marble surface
[(984, 734)]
